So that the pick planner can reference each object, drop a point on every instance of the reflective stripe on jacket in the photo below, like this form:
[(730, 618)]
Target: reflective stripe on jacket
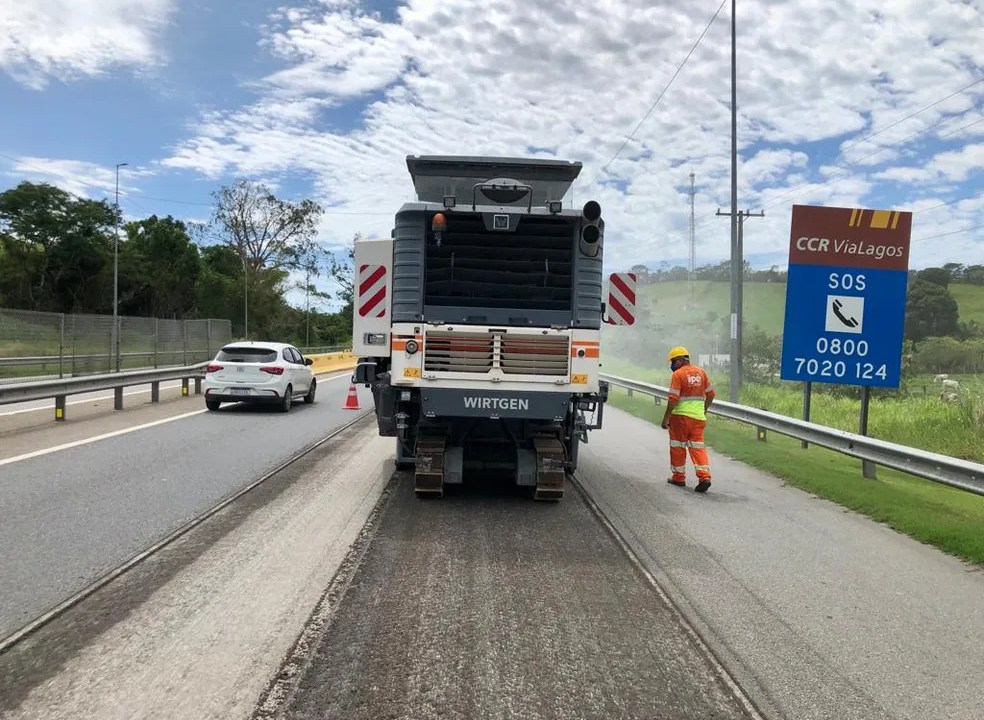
[(689, 386)]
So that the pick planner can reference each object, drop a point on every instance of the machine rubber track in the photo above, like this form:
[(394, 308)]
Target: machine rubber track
[(429, 471), (551, 468)]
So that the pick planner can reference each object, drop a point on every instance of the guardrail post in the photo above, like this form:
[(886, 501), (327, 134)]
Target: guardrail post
[(629, 391), (761, 433), (155, 392), (807, 396), (656, 398), (61, 346), (118, 398), (867, 467), (184, 387), (198, 386), (60, 408)]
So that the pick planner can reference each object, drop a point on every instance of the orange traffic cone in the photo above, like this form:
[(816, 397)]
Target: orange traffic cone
[(352, 402)]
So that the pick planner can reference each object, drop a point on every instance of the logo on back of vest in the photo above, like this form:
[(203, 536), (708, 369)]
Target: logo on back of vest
[(694, 379)]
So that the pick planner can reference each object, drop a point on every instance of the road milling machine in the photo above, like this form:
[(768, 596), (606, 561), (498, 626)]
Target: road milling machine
[(477, 323)]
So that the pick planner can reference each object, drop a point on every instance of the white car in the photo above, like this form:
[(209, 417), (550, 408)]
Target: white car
[(259, 372)]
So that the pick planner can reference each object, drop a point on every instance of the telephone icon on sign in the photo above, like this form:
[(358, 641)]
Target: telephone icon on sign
[(844, 314), (848, 321)]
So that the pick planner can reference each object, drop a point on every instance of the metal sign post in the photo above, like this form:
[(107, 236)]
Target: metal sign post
[(845, 298)]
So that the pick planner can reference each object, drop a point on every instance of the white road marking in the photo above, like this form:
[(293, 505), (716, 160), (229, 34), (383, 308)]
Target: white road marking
[(96, 438), (124, 431), (51, 406)]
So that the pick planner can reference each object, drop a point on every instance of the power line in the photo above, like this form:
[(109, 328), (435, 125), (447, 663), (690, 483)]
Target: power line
[(660, 96), (949, 202), (952, 232), (912, 115), (853, 164)]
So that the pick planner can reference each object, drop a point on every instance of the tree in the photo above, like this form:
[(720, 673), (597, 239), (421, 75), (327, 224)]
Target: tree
[(954, 270), (57, 249), (310, 260), (974, 274), (263, 230), (935, 275), (162, 267), (930, 311)]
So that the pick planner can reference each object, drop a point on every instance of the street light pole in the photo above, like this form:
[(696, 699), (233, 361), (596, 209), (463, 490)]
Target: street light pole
[(116, 272), (736, 264), (246, 297)]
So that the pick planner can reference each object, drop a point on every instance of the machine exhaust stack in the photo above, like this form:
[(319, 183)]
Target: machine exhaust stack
[(591, 228)]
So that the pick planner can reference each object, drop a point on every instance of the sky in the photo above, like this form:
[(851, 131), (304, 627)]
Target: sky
[(852, 103)]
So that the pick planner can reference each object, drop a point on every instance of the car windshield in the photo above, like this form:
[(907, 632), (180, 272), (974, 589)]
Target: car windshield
[(247, 354)]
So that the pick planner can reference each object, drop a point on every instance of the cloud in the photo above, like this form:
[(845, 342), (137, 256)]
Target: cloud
[(816, 79), (83, 179), (65, 39)]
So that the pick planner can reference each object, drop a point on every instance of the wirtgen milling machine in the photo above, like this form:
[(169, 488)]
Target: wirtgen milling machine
[(477, 324)]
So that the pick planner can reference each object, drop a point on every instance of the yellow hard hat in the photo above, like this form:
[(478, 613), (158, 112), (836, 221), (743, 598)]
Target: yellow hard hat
[(677, 352)]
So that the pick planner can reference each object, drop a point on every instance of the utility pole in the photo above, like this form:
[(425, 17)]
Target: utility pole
[(307, 302), (116, 273), (738, 298), (735, 260), (693, 238), (245, 297)]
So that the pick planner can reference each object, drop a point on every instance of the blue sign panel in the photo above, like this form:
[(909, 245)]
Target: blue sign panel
[(845, 298)]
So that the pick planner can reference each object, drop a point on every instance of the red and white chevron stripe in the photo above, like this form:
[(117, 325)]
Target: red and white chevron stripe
[(621, 299), (371, 298)]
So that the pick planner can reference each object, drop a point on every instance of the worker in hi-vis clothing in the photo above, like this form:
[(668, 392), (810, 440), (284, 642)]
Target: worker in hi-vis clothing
[(685, 417)]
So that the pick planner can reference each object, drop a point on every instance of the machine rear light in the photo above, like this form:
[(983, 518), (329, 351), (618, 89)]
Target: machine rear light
[(213, 368), (273, 370)]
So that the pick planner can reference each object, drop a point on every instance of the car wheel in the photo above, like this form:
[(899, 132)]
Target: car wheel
[(288, 399), (213, 405), (309, 398)]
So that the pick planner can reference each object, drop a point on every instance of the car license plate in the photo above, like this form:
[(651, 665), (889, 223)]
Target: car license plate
[(240, 391), (240, 369)]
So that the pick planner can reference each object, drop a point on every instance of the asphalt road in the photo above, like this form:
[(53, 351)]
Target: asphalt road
[(486, 604), (196, 631), (73, 514), (818, 611)]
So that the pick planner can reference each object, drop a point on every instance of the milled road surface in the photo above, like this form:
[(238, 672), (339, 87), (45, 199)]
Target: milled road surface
[(196, 631), (486, 604), (819, 612), (71, 515)]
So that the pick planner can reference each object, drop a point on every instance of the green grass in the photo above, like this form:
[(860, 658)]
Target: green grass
[(764, 303), (948, 519), (970, 301), (919, 420)]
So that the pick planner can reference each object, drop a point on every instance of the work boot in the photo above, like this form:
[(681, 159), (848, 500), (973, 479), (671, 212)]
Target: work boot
[(702, 486), (678, 483)]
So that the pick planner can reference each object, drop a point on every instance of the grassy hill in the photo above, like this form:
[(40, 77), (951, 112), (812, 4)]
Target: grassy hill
[(765, 303)]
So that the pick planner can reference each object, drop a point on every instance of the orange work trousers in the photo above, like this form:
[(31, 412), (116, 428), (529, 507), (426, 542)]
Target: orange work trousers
[(687, 433)]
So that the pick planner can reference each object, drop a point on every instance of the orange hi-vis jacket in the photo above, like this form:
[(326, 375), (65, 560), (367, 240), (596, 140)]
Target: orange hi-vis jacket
[(690, 386)]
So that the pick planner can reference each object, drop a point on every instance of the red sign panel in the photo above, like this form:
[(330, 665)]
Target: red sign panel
[(850, 237), (372, 291), (621, 299)]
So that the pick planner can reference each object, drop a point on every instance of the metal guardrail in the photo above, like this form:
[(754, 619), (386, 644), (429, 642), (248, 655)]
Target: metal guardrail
[(68, 360), (942, 469), (45, 360), (61, 388)]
